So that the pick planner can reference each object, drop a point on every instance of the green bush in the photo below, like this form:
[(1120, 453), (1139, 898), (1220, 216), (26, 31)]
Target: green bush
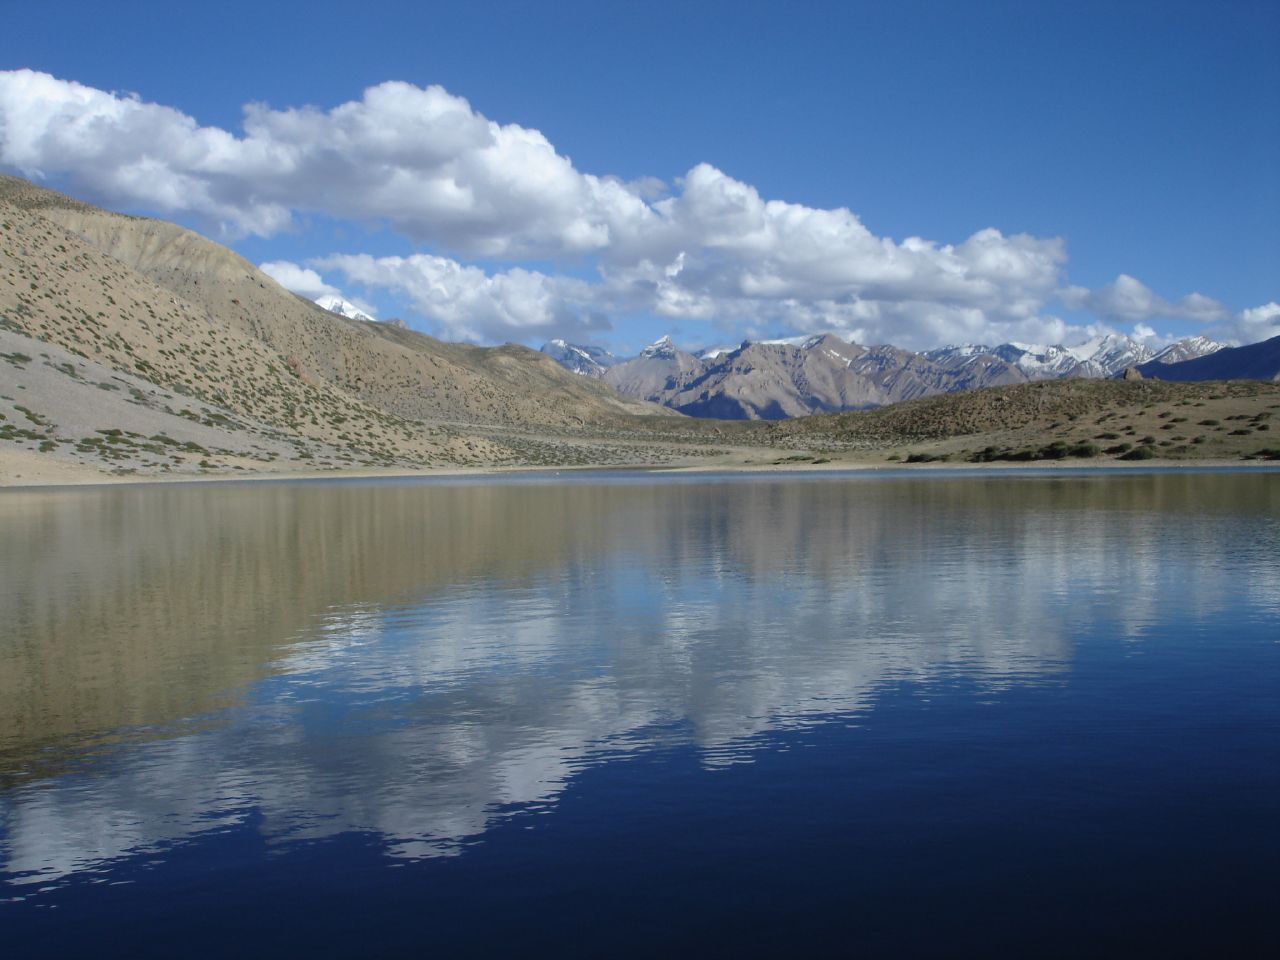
[(1140, 453)]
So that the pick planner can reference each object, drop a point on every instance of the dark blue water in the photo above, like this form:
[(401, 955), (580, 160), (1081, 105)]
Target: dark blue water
[(754, 717)]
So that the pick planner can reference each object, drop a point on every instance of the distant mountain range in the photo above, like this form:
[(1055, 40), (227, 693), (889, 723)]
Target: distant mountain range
[(775, 379)]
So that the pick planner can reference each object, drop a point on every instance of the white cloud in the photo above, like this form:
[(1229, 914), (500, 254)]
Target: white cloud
[(1128, 300), (307, 283), (128, 152), (466, 303), (1251, 325), (707, 247), (419, 159), (300, 280)]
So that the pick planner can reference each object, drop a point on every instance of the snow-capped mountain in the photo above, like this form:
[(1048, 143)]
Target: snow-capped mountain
[(344, 308), (1254, 361), (1098, 357), (1102, 356), (1188, 349), (958, 352), (663, 348), (587, 360), (1113, 353)]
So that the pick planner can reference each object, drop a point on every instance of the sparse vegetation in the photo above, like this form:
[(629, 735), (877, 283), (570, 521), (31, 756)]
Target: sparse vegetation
[(1058, 450), (1140, 453)]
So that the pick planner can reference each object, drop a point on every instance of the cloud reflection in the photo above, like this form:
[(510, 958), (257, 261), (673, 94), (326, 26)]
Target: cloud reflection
[(417, 661)]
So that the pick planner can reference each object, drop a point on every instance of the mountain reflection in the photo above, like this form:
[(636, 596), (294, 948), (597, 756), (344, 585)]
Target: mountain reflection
[(416, 660)]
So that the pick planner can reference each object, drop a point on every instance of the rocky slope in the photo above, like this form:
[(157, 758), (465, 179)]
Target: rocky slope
[(654, 373)]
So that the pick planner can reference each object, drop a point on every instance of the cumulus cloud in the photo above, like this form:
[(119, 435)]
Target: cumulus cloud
[(1128, 300), (301, 280), (730, 242), (307, 283), (1251, 325), (419, 159), (127, 152), (706, 247), (466, 303)]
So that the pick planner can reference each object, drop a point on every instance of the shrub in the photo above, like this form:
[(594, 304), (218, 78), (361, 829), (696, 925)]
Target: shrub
[(1140, 453), (1084, 450)]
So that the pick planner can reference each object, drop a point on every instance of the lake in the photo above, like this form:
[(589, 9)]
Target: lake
[(925, 715)]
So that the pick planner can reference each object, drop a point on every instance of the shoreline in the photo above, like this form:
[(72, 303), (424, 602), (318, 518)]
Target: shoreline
[(35, 475)]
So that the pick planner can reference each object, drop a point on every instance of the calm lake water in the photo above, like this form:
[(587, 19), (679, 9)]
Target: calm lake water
[(755, 716)]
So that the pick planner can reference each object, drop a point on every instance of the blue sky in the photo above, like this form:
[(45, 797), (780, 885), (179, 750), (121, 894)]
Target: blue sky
[(1068, 167)]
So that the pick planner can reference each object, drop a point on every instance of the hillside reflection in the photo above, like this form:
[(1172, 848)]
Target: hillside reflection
[(417, 660)]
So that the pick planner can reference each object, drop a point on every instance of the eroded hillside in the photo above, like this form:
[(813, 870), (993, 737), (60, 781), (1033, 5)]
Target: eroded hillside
[(171, 332)]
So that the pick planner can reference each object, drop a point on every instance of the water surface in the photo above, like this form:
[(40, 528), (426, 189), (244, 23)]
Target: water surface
[(748, 716)]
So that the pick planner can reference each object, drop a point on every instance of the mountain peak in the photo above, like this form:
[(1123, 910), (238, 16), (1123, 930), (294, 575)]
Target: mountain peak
[(343, 308), (664, 346), (587, 360)]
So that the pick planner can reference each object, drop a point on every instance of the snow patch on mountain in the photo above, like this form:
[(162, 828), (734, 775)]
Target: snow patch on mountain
[(663, 348), (344, 308), (587, 360), (1189, 348), (715, 352)]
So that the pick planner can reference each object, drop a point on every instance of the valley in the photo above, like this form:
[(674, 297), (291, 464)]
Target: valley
[(131, 348)]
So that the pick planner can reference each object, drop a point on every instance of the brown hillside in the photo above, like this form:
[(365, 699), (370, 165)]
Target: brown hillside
[(400, 371), (1175, 420), (190, 359)]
